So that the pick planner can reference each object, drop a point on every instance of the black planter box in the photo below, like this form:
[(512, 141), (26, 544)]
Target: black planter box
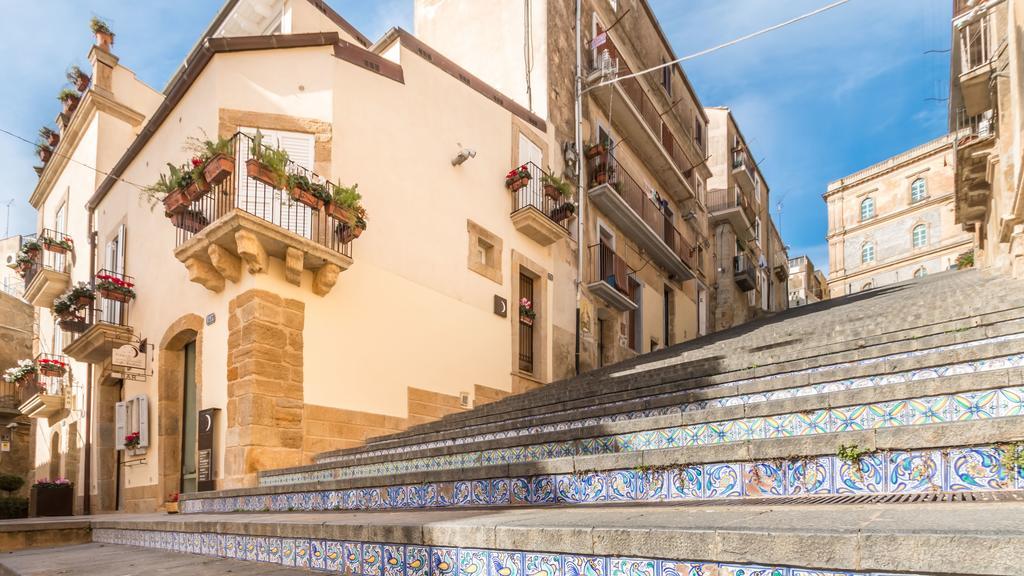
[(51, 501)]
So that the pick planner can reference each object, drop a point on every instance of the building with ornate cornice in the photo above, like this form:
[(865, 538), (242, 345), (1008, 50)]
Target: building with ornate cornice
[(894, 220)]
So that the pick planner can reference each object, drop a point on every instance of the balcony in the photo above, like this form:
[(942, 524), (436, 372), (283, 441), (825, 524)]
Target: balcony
[(975, 145), (242, 221), (100, 326), (610, 278), (733, 206), (743, 272), (639, 122), (539, 214), (743, 170), (43, 394), (975, 47), (49, 274), (626, 203)]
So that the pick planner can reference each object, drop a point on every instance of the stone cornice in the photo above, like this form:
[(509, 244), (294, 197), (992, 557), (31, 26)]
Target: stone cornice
[(931, 201), (889, 165), (95, 100), (882, 267)]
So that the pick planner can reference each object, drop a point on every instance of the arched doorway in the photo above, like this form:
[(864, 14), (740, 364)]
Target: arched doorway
[(177, 405)]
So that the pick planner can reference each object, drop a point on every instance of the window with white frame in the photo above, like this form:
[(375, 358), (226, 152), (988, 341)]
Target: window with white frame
[(867, 208), (920, 236), (131, 419), (918, 190), (867, 253)]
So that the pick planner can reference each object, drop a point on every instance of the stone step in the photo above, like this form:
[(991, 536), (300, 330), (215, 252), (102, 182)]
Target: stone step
[(950, 458), (97, 559), (978, 538), (532, 403), (970, 357)]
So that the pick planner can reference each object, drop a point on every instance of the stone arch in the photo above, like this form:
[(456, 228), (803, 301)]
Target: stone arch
[(170, 374)]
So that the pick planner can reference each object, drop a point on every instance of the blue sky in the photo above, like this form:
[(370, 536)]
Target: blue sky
[(816, 101)]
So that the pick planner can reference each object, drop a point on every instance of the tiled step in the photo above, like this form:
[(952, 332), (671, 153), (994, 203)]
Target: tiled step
[(644, 540), (985, 356), (530, 405)]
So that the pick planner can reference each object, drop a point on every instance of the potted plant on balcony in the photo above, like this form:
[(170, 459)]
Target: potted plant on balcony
[(563, 212), (181, 186), (60, 245), (172, 503), (22, 264), (114, 288), (595, 150), (267, 165), (78, 78), (217, 157), (70, 99), (52, 367), (518, 178), (556, 188), (21, 375), (346, 207), (526, 311), (32, 248), (70, 307), (104, 37), (300, 189), (132, 441), (602, 173), (52, 498), (50, 136), (44, 151)]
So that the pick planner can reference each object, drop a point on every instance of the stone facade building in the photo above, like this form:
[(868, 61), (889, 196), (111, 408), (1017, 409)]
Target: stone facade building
[(987, 116), (895, 220), (17, 455), (751, 264), (646, 261), (807, 284)]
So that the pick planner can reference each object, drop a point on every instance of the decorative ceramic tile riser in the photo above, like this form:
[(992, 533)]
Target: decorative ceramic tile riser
[(966, 469), (978, 405), (971, 367), (385, 559)]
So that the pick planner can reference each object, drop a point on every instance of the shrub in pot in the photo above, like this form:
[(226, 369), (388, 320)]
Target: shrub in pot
[(267, 165), (50, 136), (78, 78), (300, 189), (44, 151), (217, 157), (61, 245), (21, 375), (556, 188), (104, 37), (70, 99)]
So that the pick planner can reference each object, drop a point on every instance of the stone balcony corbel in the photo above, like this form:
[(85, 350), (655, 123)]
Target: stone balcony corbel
[(218, 252)]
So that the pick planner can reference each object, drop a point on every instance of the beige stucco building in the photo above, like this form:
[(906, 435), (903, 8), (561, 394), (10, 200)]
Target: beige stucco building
[(253, 306), (807, 284), (987, 116), (895, 220), (751, 264), (646, 263)]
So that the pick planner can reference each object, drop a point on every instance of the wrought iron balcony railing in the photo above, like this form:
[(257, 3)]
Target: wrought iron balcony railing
[(533, 194)]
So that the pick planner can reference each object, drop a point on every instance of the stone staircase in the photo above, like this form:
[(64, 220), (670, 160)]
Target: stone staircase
[(875, 434)]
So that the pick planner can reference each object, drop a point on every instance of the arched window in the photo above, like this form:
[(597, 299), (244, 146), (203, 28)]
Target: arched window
[(920, 272), (920, 235), (867, 208), (918, 190), (867, 253)]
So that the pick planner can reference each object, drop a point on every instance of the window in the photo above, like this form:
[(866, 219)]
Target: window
[(698, 131), (918, 191), (666, 77), (920, 272), (526, 344), (634, 333), (484, 252), (757, 230), (867, 253), (867, 209), (273, 205), (132, 417), (920, 235)]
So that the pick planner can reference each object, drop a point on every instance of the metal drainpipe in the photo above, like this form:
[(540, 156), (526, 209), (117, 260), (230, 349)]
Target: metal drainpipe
[(87, 481), (579, 177)]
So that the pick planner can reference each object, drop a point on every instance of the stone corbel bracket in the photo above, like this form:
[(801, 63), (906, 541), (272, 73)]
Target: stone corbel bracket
[(220, 251)]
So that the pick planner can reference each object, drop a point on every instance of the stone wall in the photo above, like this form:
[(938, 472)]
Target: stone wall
[(265, 386), (15, 344)]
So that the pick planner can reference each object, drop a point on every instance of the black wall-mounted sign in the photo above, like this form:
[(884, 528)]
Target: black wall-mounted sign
[(500, 306), (207, 478)]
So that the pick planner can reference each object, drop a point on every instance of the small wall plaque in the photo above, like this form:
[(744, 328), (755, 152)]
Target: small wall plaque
[(500, 306), (210, 319)]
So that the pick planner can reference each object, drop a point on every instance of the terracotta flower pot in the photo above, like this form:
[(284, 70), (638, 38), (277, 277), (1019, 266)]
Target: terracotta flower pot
[(346, 232), (55, 248), (601, 178), (596, 150), (195, 191), (53, 139), (104, 40), (552, 192), (303, 197), (45, 154), (257, 171), (337, 212), (48, 369), (172, 507), (191, 221), (519, 184), (84, 301), (82, 83), (70, 104), (175, 203), (525, 320), (218, 169), (116, 295), (563, 212), (76, 325)]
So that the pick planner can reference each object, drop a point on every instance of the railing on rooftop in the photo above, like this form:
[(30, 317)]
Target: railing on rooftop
[(241, 193), (533, 195), (740, 159), (651, 212), (53, 254)]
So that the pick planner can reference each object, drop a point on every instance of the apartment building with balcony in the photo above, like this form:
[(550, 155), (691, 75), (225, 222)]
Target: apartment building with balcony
[(807, 284), (252, 317), (987, 116), (749, 255), (646, 264), (895, 220)]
